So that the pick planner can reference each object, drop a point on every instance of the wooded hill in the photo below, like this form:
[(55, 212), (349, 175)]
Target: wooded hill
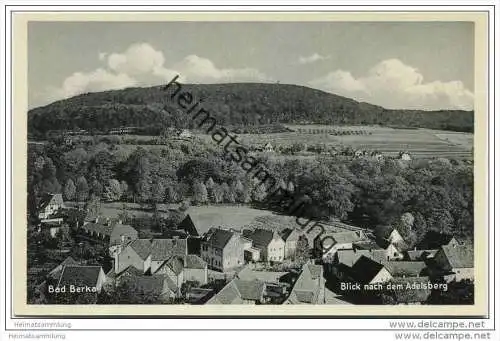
[(235, 104)]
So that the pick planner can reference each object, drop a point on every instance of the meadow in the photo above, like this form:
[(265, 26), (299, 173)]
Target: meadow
[(420, 143)]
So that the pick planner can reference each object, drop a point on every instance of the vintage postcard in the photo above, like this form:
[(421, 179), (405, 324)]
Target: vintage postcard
[(250, 164)]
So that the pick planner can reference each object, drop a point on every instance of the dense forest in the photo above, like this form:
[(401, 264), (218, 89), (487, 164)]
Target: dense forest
[(239, 104), (438, 193)]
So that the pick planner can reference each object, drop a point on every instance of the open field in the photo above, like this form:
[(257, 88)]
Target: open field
[(420, 143), (237, 217)]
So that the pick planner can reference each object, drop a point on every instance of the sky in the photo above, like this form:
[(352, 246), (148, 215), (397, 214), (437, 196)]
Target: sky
[(397, 65)]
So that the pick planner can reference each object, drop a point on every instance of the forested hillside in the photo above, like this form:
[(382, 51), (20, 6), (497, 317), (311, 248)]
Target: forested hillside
[(238, 104)]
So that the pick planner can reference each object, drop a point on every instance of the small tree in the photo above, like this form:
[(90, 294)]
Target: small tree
[(69, 190), (82, 189), (200, 194)]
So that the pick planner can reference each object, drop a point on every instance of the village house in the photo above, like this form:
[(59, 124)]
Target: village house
[(406, 269), (367, 271), (156, 286), (388, 234), (111, 233), (456, 262), (240, 291), (328, 244), (182, 269), (136, 254), (270, 244), (188, 225), (309, 288), (82, 276), (164, 249), (290, 237), (250, 253), (49, 205), (222, 249)]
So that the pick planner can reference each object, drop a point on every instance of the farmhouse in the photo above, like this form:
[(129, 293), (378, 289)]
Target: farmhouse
[(270, 244), (181, 269), (164, 249), (111, 233), (222, 249), (49, 205), (388, 234), (188, 225), (240, 291), (367, 271), (405, 269), (290, 237), (456, 262), (327, 245), (157, 287), (136, 254), (80, 276), (309, 287)]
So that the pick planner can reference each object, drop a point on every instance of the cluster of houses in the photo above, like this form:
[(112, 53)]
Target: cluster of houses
[(340, 253)]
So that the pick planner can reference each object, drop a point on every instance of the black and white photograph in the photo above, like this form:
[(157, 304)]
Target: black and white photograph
[(321, 163)]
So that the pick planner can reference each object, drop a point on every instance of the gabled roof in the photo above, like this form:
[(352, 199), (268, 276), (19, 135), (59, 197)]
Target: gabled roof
[(217, 237), (163, 249), (405, 269), (80, 275), (56, 272), (176, 264), (250, 290), (384, 231), (237, 291), (259, 237), (291, 234), (118, 230), (51, 198), (459, 256), (188, 225), (306, 288), (345, 237), (147, 284), (349, 257), (228, 295), (315, 270), (129, 271), (365, 270), (142, 247)]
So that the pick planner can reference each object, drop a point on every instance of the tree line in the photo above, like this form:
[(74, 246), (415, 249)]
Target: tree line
[(438, 193)]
